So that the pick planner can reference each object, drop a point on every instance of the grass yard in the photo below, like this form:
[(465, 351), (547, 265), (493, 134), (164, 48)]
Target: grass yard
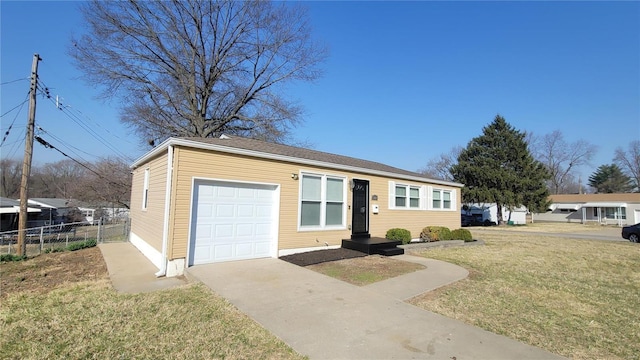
[(89, 320), (365, 270), (549, 227), (576, 298)]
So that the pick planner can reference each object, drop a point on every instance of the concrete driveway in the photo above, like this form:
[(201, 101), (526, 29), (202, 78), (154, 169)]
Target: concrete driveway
[(325, 318)]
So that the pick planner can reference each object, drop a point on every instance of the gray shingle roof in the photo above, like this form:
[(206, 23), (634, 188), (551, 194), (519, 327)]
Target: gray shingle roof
[(301, 153)]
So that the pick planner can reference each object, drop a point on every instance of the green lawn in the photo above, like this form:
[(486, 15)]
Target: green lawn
[(91, 321), (576, 298)]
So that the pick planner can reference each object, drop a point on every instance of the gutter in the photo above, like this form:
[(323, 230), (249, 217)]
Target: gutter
[(167, 203)]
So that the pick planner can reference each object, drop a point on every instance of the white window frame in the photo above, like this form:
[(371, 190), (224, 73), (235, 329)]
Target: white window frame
[(145, 190), (452, 199), (421, 196), (323, 203), (407, 202)]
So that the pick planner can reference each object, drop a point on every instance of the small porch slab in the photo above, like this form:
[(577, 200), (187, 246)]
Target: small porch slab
[(374, 245)]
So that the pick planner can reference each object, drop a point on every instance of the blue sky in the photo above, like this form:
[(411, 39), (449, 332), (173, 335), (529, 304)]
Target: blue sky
[(405, 81)]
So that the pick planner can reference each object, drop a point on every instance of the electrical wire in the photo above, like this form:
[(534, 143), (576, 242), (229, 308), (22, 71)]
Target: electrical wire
[(76, 119), (69, 146), (48, 145), (15, 107), (6, 134), (12, 81)]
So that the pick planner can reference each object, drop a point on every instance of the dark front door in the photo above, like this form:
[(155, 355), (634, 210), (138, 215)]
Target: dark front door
[(360, 210)]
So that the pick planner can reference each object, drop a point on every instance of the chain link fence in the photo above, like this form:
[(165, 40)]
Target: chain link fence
[(54, 238)]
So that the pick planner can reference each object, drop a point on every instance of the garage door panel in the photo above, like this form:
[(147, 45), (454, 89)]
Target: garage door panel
[(225, 210), (263, 248), (244, 230), (245, 210), (233, 222), (222, 231)]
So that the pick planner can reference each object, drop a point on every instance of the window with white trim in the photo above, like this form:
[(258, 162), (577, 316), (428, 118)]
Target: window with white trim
[(441, 199), (407, 196), (614, 213), (145, 191), (322, 201)]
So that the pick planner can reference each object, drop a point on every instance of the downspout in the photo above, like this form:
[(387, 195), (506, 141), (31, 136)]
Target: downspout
[(167, 203)]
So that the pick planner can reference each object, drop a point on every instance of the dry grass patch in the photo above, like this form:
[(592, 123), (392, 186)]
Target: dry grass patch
[(547, 227), (91, 321), (62, 306), (365, 270), (576, 298)]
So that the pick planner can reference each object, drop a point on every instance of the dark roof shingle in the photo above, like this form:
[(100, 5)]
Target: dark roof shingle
[(301, 153)]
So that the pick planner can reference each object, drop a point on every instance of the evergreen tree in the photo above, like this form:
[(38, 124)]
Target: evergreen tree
[(609, 179), (497, 167)]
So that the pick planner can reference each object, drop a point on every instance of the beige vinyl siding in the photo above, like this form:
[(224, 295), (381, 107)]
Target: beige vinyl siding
[(148, 223), (410, 219), (190, 163), (194, 163)]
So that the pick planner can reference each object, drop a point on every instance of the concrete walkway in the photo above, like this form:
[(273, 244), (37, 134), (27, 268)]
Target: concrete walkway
[(325, 318), (132, 272)]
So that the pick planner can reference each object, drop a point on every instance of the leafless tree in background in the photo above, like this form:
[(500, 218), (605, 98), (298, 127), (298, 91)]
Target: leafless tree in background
[(561, 159), (11, 171), (56, 180), (108, 184), (440, 167), (199, 68), (629, 162)]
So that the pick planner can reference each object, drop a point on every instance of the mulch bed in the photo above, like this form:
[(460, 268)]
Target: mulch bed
[(320, 256)]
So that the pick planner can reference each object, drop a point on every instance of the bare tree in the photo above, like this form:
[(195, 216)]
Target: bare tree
[(561, 158), (199, 68), (11, 170), (108, 183), (59, 179), (629, 162), (440, 167)]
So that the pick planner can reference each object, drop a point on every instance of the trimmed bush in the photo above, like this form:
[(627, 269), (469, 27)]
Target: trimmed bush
[(399, 234), (461, 234), (435, 233)]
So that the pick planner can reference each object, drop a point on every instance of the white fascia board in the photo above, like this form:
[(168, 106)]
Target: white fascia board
[(258, 154)]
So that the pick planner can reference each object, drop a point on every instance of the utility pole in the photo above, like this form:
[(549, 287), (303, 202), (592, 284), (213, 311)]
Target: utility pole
[(26, 162)]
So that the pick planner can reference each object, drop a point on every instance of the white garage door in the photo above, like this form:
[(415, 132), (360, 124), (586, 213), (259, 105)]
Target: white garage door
[(232, 221)]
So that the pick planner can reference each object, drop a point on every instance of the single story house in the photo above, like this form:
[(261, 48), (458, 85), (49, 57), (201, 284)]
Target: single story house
[(615, 209), (10, 211), (489, 213), (203, 200), (58, 211)]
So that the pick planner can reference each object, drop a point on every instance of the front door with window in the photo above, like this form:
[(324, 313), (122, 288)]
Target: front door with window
[(360, 210)]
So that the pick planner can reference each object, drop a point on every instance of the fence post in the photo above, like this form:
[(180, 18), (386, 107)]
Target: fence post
[(99, 236), (41, 239)]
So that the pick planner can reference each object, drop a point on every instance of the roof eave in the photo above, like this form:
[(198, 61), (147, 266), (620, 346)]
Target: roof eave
[(259, 154)]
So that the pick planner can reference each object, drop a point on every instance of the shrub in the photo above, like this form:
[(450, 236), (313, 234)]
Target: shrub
[(435, 233), (82, 245), (11, 257), (461, 234), (399, 234)]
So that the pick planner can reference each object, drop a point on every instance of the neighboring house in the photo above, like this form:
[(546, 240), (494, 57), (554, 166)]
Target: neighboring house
[(489, 213), (57, 211), (114, 214), (10, 211), (618, 209), (197, 201)]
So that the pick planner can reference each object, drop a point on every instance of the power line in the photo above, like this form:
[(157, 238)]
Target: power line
[(48, 145), (69, 146), (17, 106), (12, 81), (6, 134), (75, 118)]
